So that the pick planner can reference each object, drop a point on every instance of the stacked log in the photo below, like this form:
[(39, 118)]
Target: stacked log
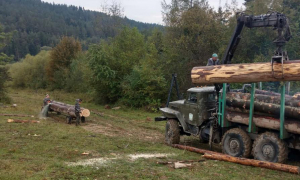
[(266, 110), (246, 73), (68, 109)]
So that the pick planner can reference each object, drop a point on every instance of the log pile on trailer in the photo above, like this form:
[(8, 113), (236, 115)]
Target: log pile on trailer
[(267, 110)]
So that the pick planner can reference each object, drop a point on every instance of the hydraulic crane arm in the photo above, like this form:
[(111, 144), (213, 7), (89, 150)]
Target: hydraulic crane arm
[(274, 19)]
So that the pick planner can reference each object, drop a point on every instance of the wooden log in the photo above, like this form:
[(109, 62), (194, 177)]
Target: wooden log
[(16, 115), (246, 73), (292, 126), (192, 149), (68, 109), (22, 121), (84, 112), (269, 108), (252, 162), (247, 111), (289, 101)]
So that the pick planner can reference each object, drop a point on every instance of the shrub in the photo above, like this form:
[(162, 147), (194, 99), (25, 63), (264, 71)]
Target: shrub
[(30, 72)]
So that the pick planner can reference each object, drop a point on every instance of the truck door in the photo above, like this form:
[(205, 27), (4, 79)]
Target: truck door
[(191, 112)]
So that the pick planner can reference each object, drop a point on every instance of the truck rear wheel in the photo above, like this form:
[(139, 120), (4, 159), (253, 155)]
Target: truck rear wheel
[(236, 142), (269, 147), (172, 135)]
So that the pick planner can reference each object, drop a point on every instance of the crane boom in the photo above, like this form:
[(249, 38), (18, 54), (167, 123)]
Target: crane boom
[(274, 19)]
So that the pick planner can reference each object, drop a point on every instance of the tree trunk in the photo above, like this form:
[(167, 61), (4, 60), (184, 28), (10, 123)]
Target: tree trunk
[(246, 73), (247, 111), (255, 163), (68, 109), (22, 121), (192, 149), (264, 107), (16, 115), (292, 126), (270, 93), (289, 101)]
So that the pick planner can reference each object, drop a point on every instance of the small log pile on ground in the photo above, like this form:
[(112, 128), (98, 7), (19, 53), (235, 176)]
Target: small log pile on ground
[(266, 110)]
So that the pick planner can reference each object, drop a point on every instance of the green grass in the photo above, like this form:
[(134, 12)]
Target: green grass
[(116, 133)]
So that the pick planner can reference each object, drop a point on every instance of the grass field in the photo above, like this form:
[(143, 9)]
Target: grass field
[(47, 150)]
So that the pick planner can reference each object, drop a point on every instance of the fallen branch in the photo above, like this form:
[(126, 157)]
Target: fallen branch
[(252, 162), (22, 121), (16, 115)]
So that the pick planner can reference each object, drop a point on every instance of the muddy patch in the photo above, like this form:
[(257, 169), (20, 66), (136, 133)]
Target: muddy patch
[(114, 131), (106, 129)]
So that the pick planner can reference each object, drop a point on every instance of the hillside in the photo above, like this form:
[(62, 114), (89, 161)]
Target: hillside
[(38, 24)]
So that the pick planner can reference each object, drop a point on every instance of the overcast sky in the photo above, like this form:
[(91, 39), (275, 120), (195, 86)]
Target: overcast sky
[(139, 10)]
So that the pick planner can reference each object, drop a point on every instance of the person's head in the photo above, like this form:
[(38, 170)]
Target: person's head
[(79, 101), (214, 57), (47, 96)]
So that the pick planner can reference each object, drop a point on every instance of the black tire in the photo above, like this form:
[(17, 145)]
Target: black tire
[(201, 139), (269, 147), (172, 135), (237, 143)]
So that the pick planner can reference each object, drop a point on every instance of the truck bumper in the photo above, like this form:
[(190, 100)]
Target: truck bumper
[(161, 118)]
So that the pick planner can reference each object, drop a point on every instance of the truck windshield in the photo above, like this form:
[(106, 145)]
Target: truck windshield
[(192, 98), (211, 97)]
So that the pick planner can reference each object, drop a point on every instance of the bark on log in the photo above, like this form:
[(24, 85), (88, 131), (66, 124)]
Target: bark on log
[(22, 121), (68, 109), (246, 73), (192, 149), (255, 163), (270, 93), (269, 108), (64, 104), (289, 101), (292, 126), (247, 111)]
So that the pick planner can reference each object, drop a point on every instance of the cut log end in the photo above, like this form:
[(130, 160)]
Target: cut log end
[(85, 113)]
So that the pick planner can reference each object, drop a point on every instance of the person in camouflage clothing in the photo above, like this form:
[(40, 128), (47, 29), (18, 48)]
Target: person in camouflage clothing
[(77, 111)]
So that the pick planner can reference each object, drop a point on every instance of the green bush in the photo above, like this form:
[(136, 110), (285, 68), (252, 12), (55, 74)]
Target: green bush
[(3, 78), (145, 85), (111, 61), (30, 72), (80, 76)]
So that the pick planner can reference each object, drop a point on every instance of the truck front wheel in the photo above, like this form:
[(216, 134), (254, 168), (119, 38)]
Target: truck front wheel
[(268, 147), (236, 142), (172, 135)]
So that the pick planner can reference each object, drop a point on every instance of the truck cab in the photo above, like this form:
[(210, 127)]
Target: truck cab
[(192, 114)]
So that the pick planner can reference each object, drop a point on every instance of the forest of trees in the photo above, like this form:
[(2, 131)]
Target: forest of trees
[(135, 68), (38, 25)]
